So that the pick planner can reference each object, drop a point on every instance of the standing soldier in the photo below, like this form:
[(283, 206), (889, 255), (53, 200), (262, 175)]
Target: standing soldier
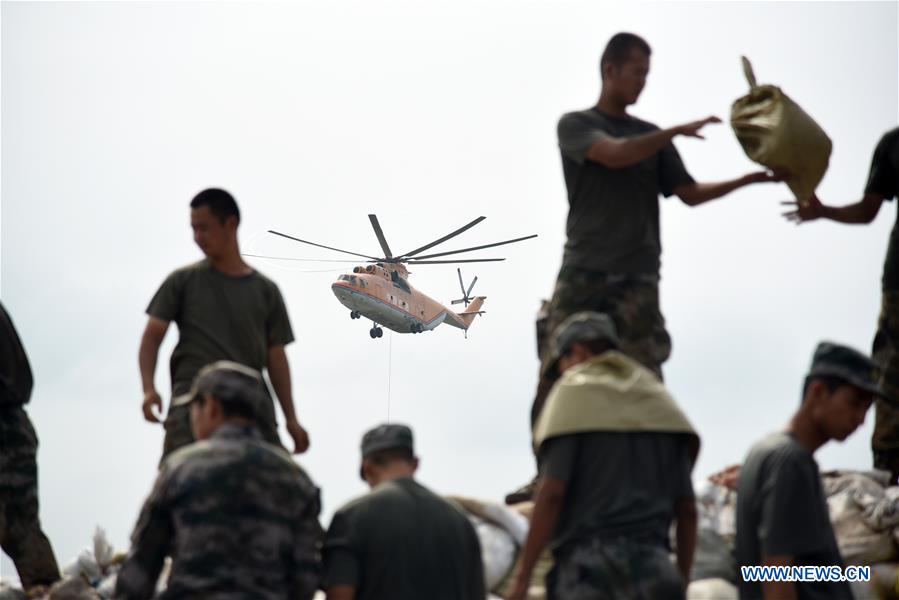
[(401, 541), (20, 529), (238, 517), (615, 167), (883, 184), (225, 310), (615, 454)]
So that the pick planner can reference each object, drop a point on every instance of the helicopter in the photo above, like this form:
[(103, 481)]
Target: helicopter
[(380, 291)]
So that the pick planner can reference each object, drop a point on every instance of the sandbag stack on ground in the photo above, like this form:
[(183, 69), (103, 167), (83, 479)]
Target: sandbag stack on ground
[(775, 132)]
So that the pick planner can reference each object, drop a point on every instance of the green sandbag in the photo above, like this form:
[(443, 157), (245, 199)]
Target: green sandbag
[(775, 132)]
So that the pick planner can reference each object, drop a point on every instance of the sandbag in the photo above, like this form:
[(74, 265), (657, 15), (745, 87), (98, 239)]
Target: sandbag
[(859, 544), (712, 589), (775, 132)]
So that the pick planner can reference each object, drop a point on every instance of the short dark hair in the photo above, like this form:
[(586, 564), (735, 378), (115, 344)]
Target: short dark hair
[(229, 409), (830, 382), (389, 455), (618, 50), (220, 203)]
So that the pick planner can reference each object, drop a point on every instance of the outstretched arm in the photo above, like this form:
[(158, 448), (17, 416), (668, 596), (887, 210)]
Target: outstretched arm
[(860, 212), (279, 372), (146, 358), (693, 194), (618, 153)]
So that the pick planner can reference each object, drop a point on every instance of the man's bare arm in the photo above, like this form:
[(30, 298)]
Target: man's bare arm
[(778, 590), (547, 506), (860, 212), (279, 372), (147, 357), (685, 532), (341, 592), (618, 153), (693, 194)]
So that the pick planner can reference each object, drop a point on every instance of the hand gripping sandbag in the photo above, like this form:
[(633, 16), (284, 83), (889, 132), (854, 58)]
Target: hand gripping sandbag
[(775, 132)]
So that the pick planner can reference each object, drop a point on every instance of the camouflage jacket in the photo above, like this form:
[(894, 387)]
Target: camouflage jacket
[(239, 519)]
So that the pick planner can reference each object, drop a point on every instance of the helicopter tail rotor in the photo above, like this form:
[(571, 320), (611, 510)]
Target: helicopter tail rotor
[(466, 294)]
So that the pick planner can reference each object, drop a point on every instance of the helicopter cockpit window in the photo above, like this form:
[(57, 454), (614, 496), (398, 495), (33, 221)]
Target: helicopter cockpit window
[(400, 282), (351, 279)]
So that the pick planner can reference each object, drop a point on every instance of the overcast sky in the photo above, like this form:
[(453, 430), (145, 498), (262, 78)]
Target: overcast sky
[(429, 114)]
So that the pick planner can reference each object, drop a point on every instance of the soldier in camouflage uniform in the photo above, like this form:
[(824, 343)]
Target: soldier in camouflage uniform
[(883, 184), (238, 517), (20, 530)]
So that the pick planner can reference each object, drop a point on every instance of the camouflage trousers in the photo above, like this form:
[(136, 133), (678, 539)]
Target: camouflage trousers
[(178, 432), (885, 351), (614, 569), (632, 301), (21, 536)]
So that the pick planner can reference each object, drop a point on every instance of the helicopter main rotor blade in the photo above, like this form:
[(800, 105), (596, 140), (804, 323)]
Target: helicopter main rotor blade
[(473, 281), (380, 234), (301, 259), (527, 237), (443, 239), (461, 285), (453, 262), (290, 237)]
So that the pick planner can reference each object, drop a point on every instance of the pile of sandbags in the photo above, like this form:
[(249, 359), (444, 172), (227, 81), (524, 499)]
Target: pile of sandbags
[(864, 513), (502, 531), (89, 576)]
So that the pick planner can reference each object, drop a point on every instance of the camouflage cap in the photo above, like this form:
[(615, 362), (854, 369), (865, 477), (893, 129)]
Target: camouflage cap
[(229, 382), (853, 367), (386, 437), (581, 327)]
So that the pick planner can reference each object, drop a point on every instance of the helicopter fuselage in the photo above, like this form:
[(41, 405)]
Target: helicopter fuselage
[(385, 296)]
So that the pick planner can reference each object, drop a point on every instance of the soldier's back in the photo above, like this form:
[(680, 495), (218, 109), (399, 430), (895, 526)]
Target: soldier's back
[(244, 517)]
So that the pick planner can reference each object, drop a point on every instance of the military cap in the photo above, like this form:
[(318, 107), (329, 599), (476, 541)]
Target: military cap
[(386, 437), (229, 382), (581, 327), (851, 366)]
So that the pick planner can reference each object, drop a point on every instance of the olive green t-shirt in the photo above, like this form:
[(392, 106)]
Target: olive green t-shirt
[(404, 542), (613, 216), (219, 317)]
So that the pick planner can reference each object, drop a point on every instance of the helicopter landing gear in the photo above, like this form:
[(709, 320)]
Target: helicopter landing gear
[(354, 314), (416, 328), (375, 332)]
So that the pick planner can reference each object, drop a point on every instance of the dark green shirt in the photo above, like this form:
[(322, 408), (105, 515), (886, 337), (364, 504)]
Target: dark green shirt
[(613, 216), (617, 484), (403, 542), (782, 510), (219, 317), (884, 181)]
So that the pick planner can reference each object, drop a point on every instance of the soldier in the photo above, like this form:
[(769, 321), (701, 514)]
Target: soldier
[(883, 184), (401, 541), (615, 455), (782, 515), (225, 310), (238, 517), (615, 167), (20, 528)]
